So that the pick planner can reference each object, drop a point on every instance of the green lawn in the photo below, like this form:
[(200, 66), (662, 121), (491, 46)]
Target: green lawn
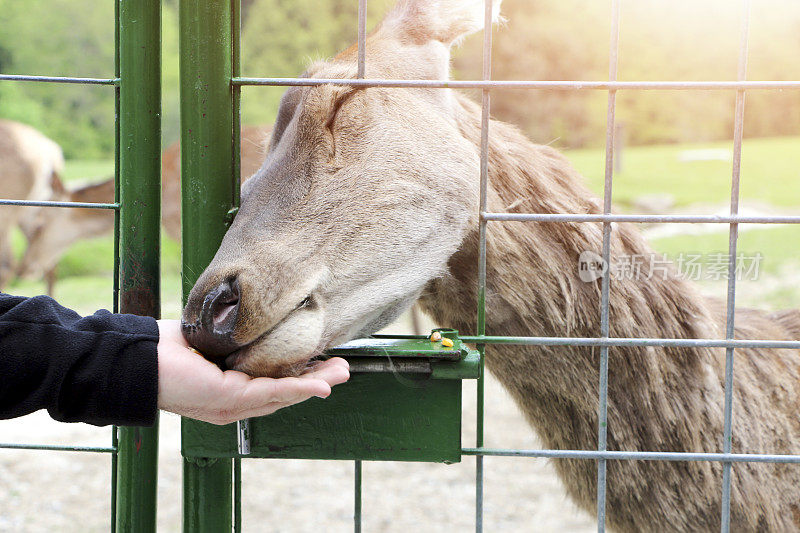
[(88, 170), (779, 244), (776, 284), (770, 174)]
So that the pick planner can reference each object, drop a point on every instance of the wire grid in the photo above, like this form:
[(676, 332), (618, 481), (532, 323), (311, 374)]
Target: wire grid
[(115, 83), (604, 342)]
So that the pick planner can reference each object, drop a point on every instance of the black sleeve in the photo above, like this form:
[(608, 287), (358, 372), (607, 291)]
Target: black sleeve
[(101, 369)]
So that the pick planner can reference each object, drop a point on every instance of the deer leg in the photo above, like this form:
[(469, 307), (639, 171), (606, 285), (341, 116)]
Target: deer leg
[(6, 259), (50, 278)]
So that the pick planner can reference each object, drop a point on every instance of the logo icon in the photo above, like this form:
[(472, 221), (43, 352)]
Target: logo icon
[(591, 266)]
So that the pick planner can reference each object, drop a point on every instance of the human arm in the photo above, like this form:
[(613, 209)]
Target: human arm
[(118, 369), (100, 369)]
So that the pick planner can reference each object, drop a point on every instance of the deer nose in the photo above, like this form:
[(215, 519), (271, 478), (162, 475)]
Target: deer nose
[(212, 334)]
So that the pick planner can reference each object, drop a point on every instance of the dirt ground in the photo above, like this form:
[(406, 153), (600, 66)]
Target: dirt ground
[(69, 492)]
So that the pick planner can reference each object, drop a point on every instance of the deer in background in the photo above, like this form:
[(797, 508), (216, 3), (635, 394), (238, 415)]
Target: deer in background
[(30, 166), (50, 232), (368, 200), (253, 148)]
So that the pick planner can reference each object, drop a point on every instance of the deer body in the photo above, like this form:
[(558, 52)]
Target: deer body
[(660, 399), (29, 165), (368, 200)]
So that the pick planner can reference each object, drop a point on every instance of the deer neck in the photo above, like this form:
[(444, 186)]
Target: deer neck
[(534, 289)]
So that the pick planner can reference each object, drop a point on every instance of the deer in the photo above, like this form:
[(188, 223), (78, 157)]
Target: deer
[(251, 154), (50, 232), (30, 169), (31, 166), (368, 200)]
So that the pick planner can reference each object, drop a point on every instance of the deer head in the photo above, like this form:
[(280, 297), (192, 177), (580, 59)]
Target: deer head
[(362, 198)]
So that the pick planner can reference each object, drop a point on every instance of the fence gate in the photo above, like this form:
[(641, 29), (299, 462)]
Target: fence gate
[(210, 92), (137, 207)]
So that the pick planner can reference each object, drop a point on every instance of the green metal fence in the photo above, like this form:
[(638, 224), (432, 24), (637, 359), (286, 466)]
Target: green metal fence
[(210, 102), (137, 86), (210, 95)]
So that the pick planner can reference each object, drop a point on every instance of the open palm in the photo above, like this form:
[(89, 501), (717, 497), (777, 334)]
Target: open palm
[(192, 386)]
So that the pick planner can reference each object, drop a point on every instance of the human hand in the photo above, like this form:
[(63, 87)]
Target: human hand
[(192, 386)]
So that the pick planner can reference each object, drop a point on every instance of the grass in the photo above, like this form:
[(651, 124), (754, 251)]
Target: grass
[(91, 170), (770, 174), (775, 285), (778, 244)]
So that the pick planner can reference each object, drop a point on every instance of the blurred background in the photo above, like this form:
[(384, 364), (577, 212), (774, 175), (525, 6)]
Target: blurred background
[(675, 157)]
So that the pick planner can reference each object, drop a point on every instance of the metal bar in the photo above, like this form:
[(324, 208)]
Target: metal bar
[(486, 74), (236, 66), (242, 426), (75, 205), (635, 456), (525, 84), (60, 79), (627, 341), (140, 233), (114, 468), (651, 219), (362, 38), (115, 282), (362, 65), (357, 500), (733, 237), (602, 409), (243, 436), (58, 448), (208, 510), (237, 489), (208, 189)]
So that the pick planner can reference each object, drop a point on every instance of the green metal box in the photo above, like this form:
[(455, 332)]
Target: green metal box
[(402, 403)]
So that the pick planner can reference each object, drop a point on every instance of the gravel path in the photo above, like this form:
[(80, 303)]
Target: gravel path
[(59, 491)]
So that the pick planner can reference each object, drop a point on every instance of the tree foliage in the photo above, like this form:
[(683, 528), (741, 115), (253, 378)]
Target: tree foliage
[(541, 40)]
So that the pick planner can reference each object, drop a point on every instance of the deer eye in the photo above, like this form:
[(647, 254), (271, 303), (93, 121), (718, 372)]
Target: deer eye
[(305, 303)]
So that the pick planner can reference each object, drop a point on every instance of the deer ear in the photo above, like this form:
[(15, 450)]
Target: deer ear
[(101, 192), (57, 186), (447, 21)]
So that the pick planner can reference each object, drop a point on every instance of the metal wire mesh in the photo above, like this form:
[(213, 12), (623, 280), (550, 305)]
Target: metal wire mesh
[(113, 449), (604, 342), (136, 508), (486, 84)]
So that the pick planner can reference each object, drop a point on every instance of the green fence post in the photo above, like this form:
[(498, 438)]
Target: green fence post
[(140, 231), (208, 190)]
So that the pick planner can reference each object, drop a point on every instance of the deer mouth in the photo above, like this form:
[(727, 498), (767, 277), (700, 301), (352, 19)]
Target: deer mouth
[(265, 358)]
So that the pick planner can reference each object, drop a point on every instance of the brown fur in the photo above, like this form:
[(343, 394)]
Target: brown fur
[(660, 399), (30, 165), (254, 139), (368, 199)]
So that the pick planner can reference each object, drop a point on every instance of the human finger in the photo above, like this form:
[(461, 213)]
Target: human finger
[(334, 371), (261, 391)]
